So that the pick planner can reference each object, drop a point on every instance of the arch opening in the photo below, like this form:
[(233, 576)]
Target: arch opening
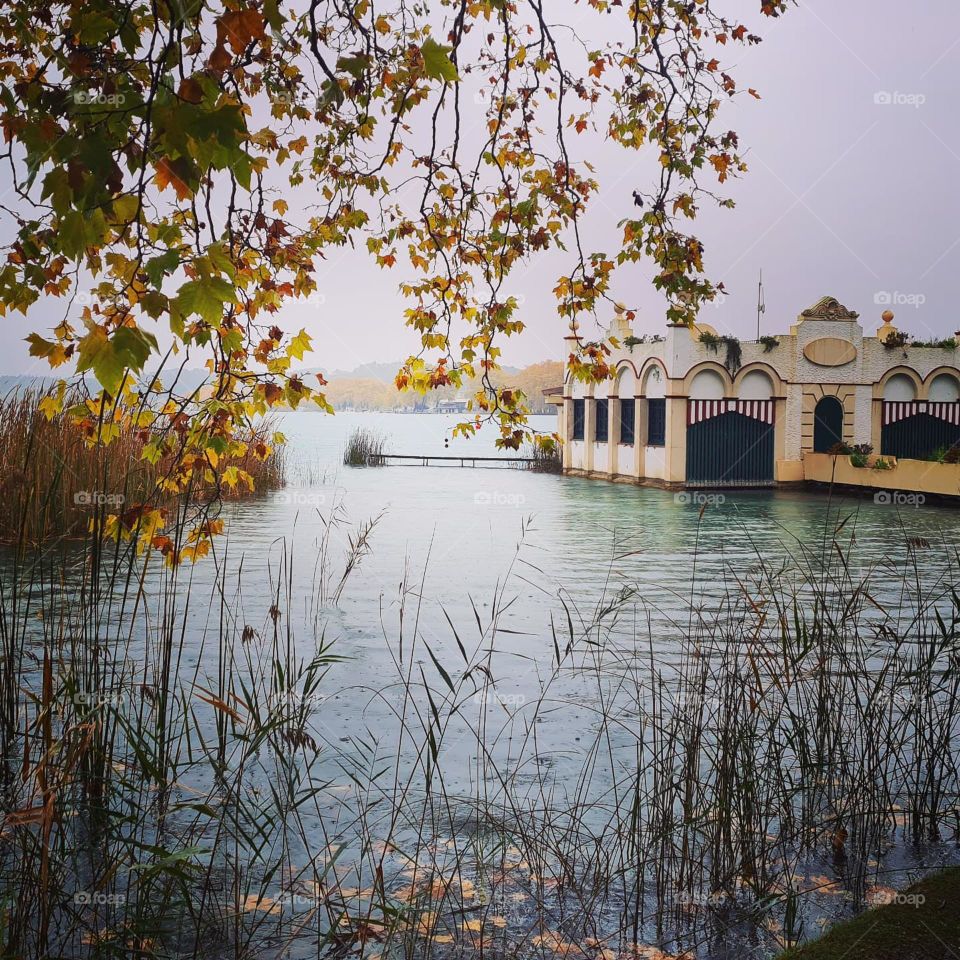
[(827, 424)]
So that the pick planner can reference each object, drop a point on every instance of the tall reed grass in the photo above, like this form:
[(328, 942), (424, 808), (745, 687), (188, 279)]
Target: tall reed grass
[(364, 448), (546, 460), (53, 481)]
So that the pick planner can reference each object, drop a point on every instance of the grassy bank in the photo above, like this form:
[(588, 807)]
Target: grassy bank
[(923, 925)]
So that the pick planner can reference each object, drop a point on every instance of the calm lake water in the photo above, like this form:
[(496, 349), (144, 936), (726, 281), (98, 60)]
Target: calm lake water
[(550, 549), (543, 554), (467, 531)]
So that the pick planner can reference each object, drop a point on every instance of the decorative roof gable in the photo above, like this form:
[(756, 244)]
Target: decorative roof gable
[(828, 308)]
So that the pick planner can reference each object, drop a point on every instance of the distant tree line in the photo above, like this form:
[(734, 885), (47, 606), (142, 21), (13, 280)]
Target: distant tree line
[(368, 393)]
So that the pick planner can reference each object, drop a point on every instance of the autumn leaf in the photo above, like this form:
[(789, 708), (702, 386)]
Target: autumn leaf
[(173, 173), (110, 357), (190, 90), (54, 353), (239, 28), (205, 296), (220, 58)]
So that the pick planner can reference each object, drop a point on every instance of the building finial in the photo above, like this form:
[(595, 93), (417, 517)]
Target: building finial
[(887, 328)]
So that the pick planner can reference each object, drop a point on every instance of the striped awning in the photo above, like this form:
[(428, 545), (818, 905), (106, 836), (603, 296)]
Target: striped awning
[(896, 410), (699, 410)]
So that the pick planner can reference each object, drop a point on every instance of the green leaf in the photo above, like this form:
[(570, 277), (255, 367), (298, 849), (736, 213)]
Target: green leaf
[(158, 267), (299, 345), (77, 230), (152, 451), (232, 340), (40, 347), (437, 62), (110, 358), (220, 260), (205, 296), (133, 346)]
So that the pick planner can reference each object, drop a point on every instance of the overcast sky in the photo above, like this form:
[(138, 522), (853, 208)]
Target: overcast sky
[(854, 156)]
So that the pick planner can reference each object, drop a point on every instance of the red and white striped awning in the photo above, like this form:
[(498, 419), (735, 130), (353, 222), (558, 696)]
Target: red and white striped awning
[(699, 410), (894, 410)]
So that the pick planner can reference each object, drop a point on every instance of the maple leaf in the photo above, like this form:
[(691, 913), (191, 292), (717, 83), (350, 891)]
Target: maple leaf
[(170, 174), (437, 63), (239, 28)]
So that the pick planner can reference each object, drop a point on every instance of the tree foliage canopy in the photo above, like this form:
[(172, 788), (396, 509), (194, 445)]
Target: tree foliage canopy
[(190, 163)]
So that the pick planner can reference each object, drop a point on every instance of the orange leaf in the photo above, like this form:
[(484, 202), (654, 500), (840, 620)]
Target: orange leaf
[(220, 59), (167, 176), (190, 90), (218, 704), (239, 28)]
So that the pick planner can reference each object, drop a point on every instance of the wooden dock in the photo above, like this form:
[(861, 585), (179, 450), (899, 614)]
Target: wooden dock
[(450, 460)]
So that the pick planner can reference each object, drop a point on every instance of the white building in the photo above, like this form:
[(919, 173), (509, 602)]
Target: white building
[(685, 409)]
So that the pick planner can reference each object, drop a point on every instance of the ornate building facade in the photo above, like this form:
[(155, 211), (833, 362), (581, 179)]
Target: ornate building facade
[(694, 409)]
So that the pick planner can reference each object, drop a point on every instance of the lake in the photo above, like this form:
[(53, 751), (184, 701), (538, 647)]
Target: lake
[(524, 685)]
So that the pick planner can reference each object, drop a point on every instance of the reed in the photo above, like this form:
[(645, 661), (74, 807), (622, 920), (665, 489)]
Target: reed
[(53, 480), (364, 448), (546, 460)]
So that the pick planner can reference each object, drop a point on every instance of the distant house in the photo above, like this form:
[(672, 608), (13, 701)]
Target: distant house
[(694, 409), (456, 405)]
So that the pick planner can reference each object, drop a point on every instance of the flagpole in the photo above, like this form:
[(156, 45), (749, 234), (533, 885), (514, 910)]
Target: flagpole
[(761, 306)]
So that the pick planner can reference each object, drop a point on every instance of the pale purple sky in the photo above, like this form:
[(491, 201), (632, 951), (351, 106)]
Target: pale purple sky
[(846, 196)]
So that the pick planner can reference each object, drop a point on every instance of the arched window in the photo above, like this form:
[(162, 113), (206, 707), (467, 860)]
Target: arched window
[(654, 390), (756, 385), (578, 419), (626, 390), (603, 420), (945, 388), (899, 387), (827, 424), (707, 385)]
